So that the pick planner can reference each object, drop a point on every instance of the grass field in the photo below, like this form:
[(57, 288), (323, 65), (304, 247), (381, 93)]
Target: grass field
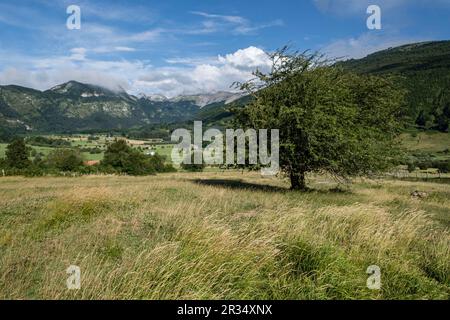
[(221, 236), (165, 150), (427, 141)]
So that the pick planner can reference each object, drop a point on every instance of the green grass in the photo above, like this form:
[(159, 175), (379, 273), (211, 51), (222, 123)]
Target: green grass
[(221, 236), (92, 156), (2, 149), (427, 141), (44, 150), (165, 150)]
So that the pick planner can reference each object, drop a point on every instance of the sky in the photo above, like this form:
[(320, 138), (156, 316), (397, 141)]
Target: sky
[(194, 46)]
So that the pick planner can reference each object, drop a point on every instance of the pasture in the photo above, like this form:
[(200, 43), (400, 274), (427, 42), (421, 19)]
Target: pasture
[(222, 236)]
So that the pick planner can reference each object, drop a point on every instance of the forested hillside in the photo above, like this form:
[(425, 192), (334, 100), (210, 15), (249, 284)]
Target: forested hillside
[(424, 70)]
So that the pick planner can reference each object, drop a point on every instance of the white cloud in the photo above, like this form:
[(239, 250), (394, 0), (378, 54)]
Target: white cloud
[(124, 49), (214, 74), (78, 54), (249, 58), (232, 19), (236, 24), (364, 45)]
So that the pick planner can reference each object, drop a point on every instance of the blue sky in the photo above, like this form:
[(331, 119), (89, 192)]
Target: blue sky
[(189, 46)]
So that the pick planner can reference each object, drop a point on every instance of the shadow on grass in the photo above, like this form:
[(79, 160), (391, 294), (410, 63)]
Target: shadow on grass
[(239, 184), (242, 185)]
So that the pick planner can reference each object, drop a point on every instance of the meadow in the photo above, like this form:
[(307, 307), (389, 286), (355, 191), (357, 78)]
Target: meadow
[(222, 236)]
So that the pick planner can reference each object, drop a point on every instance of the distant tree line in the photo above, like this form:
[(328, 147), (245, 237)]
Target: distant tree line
[(119, 158), (41, 141)]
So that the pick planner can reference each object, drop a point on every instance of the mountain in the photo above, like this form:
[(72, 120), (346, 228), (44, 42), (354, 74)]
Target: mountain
[(424, 71), (69, 107), (422, 68), (200, 100), (203, 100), (75, 106)]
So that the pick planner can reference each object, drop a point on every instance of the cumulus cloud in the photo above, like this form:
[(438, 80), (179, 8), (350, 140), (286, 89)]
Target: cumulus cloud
[(185, 77), (251, 57), (216, 75)]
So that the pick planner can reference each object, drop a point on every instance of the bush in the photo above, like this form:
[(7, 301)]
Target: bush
[(443, 166), (65, 159), (17, 154), (124, 159), (411, 166), (159, 165)]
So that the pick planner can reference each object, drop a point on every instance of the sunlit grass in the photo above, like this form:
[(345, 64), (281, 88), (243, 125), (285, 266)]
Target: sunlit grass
[(221, 236)]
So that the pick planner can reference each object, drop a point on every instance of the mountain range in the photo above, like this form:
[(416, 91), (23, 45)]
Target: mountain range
[(75, 106), (422, 68)]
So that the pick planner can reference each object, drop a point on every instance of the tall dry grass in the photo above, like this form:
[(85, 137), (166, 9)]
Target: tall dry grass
[(205, 236)]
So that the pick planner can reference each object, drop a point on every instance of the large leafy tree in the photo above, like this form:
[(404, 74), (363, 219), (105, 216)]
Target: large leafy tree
[(330, 120), (17, 154)]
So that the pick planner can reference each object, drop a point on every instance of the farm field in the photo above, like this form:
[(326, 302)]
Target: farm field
[(222, 236)]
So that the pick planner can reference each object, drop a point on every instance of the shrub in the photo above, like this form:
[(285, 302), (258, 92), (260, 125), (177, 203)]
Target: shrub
[(17, 154), (123, 158), (411, 166), (158, 164), (65, 159), (443, 166)]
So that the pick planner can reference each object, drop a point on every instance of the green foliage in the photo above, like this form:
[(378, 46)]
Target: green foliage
[(124, 159), (65, 159), (424, 69), (17, 154), (193, 167), (329, 119), (411, 166), (158, 164), (47, 142), (442, 166)]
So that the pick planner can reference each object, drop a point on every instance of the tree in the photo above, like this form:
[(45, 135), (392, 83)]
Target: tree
[(17, 154), (330, 120), (123, 158), (65, 159)]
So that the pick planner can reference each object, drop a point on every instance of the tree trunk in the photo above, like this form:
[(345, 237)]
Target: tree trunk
[(298, 181)]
